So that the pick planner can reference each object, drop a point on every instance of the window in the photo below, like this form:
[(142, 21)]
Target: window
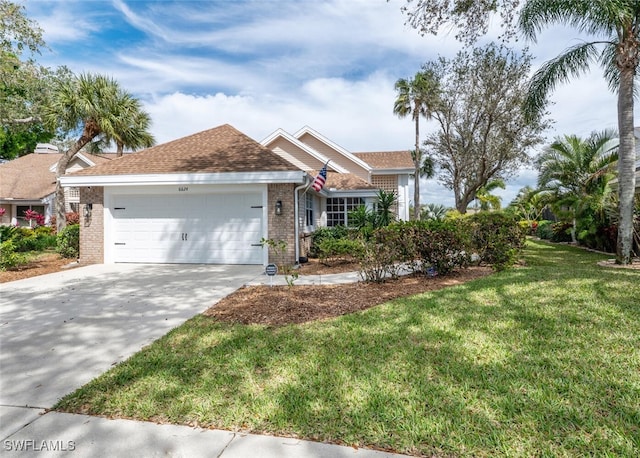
[(308, 210), (23, 208), (338, 209)]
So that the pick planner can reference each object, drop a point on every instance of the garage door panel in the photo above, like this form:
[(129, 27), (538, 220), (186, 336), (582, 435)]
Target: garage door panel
[(200, 228)]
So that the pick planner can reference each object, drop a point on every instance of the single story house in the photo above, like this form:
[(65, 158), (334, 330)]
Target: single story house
[(211, 197), (29, 183)]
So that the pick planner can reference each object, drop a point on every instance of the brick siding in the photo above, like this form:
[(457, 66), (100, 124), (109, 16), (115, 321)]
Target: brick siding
[(282, 227), (92, 229)]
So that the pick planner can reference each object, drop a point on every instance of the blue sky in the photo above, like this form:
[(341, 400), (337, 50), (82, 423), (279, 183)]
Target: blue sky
[(260, 65)]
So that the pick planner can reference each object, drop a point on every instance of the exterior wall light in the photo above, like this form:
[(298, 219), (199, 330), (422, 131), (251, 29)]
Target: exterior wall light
[(279, 207)]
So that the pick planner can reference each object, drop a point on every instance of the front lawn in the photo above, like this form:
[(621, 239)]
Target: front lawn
[(542, 360)]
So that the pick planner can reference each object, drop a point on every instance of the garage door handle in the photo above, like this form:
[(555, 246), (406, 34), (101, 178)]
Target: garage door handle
[(184, 236), (120, 243), (256, 244)]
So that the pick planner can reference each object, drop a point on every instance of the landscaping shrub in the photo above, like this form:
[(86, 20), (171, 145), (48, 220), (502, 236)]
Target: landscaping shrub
[(323, 233), (6, 232), (497, 238), (9, 257), (544, 230), (333, 250), (561, 231), (69, 241), (429, 247), (441, 245), (379, 260)]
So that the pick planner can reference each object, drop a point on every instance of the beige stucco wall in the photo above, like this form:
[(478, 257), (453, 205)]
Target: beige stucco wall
[(92, 229)]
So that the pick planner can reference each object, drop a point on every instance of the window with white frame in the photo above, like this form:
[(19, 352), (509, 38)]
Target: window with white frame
[(308, 210), (338, 209)]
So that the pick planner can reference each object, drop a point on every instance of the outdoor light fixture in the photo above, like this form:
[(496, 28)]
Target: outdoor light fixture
[(279, 207), (87, 213)]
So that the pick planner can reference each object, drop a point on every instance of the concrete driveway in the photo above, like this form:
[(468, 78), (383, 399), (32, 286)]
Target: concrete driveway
[(59, 331)]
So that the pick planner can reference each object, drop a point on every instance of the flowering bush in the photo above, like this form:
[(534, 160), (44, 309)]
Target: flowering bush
[(2, 212), (31, 215)]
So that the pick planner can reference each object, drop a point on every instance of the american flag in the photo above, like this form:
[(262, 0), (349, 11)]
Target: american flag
[(318, 183)]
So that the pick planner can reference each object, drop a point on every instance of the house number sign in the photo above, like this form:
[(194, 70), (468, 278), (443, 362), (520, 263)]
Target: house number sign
[(271, 270), (183, 189)]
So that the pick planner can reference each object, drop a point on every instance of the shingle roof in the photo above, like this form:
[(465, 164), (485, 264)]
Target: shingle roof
[(217, 150), (387, 159), (344, 181), (29, 177)]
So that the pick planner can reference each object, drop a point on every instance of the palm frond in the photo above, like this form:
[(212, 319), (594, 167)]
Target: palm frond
[(573, 62)]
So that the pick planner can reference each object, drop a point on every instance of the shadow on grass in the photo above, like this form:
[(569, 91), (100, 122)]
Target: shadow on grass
[(539, 360)]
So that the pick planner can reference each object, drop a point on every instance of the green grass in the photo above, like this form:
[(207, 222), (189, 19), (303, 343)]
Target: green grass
[(542, 360)]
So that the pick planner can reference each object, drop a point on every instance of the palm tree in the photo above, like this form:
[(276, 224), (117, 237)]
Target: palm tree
[(417, 97), (577, 172), (487, 200), (94, 106), (617, 24)]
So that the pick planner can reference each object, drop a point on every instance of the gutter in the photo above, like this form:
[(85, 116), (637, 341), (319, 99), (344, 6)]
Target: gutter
[(296, 211)]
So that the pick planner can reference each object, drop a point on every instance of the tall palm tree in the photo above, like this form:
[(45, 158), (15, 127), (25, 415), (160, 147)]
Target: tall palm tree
[(577, 172), (93, 106), (616, 24), (416, 97), (487, 200)]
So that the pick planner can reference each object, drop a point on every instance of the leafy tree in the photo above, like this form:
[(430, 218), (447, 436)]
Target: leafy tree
[(615, 26), (487, 200), (577, 173), (470, 19), (416, 97), (93, 106), (483, 134), (24, 85)]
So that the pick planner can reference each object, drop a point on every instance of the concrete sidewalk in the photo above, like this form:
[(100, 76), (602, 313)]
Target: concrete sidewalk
[(61, 330), (79, 436)]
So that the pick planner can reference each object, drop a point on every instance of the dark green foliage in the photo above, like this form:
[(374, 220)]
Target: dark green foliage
[(8, 256), (331, 250), (544, 230), (497, 238), (69, 241), (24, 239), (322, 233), (561, 231)]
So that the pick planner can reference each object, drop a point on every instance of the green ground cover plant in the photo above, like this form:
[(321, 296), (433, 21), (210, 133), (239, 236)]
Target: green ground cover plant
[(539, 360)]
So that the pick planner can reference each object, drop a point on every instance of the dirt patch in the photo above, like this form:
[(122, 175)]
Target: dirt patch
[(44, 264), (281, 305)]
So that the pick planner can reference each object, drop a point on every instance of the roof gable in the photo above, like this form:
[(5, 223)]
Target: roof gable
[(298, 153), (222, 149)]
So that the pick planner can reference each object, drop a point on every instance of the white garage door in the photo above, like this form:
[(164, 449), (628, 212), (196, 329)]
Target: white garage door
[(198, 228)]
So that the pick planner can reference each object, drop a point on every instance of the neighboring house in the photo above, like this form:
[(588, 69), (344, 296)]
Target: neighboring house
[(29, 183), (211, 197)]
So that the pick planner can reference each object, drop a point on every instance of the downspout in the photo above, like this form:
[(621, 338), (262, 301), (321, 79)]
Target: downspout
[(296, 213)]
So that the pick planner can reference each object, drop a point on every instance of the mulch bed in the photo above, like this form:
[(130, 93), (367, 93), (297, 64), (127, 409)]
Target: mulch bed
[(282, 305)]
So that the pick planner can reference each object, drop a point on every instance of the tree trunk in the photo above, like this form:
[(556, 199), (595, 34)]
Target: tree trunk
[(626, 166), (120, 149), (89, 133), (417, 162)]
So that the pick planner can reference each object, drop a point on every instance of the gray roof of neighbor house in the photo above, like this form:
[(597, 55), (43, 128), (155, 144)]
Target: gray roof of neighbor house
[(29, 176), (218, 150), (387, 159)]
